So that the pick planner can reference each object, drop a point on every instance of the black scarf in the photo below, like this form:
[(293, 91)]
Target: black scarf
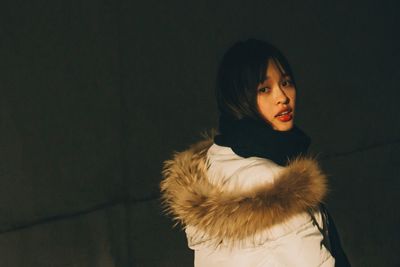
[(256, 138)]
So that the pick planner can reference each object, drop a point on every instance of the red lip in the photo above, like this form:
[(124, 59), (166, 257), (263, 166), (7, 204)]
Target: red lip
[(285, 118), (283, 110)]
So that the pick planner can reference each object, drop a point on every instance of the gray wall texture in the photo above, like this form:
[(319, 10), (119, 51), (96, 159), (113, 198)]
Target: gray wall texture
[(96, 94)]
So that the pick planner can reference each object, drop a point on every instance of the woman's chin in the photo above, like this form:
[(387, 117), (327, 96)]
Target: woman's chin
[(283, 126)]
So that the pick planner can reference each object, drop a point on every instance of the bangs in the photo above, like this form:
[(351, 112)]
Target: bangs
[(282, 65)]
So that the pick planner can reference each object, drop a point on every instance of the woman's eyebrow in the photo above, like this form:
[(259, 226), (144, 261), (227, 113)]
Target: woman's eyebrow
[(285, 76)]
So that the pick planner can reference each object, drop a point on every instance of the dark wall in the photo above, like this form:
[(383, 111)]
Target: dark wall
[(61, 160), (96, 94)]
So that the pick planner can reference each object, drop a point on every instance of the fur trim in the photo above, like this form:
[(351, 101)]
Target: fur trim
[(192, 200)]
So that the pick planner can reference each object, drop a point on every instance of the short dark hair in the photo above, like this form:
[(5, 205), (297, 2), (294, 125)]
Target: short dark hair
[(241, 70)]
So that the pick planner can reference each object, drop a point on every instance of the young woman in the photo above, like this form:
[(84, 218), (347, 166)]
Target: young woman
[(251, 196)]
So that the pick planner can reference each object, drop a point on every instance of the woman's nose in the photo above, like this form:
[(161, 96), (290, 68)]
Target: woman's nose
[(281, 97)]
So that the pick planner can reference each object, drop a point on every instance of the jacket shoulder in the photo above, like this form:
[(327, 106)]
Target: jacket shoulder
[(232, 172)]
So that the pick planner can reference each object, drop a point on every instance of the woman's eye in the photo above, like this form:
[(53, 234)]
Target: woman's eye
[(264, 90), (286, 83)]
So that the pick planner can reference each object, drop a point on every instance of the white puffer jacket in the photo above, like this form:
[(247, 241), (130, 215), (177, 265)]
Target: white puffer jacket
[(246, 211)]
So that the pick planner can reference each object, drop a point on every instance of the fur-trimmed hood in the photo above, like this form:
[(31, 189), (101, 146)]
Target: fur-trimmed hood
[(191, 199)]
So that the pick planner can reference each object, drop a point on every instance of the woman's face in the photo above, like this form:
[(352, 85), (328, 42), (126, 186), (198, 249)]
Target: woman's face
[(276, 98)]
